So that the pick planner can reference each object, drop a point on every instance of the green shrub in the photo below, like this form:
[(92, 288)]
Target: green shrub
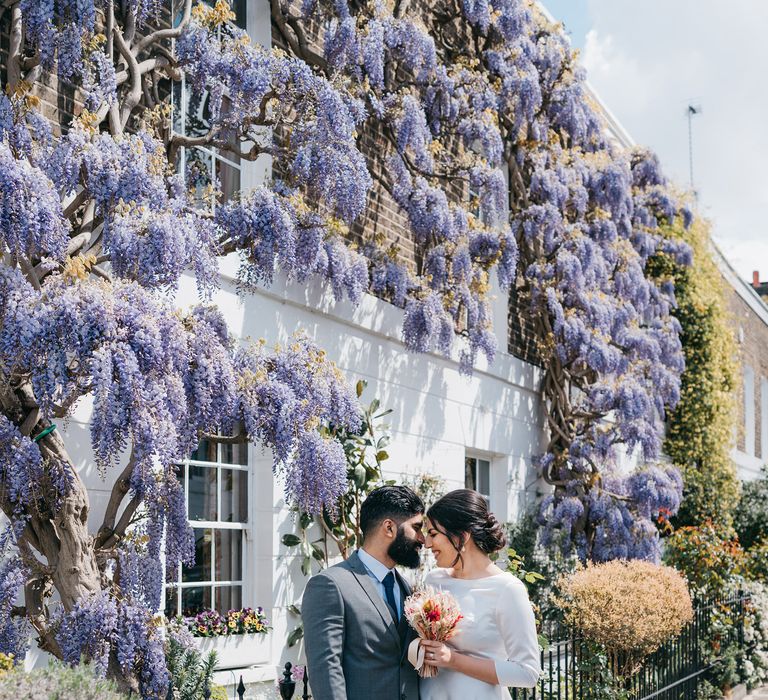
[(699, 429), (6, 663), (59, 682), (756, 561), (709, 555), (751, 517), (523, 538), (190, 670)]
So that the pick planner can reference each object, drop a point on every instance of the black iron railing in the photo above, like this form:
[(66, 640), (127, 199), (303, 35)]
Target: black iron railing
[(575, 669)]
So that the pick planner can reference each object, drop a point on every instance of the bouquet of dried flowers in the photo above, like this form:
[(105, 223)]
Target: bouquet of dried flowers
[(434, 615)]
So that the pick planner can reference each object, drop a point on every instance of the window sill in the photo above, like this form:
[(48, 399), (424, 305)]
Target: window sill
[(251, 674)]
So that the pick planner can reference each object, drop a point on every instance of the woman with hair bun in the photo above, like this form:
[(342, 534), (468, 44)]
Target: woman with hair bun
[(495, 646)]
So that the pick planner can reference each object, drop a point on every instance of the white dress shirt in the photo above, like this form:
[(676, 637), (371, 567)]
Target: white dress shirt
[(377, 571)]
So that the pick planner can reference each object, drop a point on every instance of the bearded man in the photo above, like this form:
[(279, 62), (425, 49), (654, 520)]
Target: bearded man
[(355, 632)]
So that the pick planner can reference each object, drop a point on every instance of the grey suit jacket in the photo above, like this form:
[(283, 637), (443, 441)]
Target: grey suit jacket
[(355, 651)]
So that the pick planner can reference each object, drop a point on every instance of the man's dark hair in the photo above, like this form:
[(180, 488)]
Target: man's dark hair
[(396, 502)]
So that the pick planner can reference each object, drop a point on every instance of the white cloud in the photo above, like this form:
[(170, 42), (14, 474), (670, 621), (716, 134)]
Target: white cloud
[(646, 60)]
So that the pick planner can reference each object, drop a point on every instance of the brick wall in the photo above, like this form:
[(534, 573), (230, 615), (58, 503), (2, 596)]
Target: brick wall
[(383, 221), (752, 341)]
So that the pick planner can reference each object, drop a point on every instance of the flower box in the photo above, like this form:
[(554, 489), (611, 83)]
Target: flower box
[(237, 650)]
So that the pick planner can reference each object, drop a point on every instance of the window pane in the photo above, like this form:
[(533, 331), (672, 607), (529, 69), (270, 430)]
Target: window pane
[(202, 493), (201, 571), (179, 469), (234, 496), (171, 602), (234, 454), (470, 470), (176, 96), (484, 477), (229, 555), (205, 452), (228, 598), (195, 600), (238, 7), (197, 114), (199, 175), (227, 180)]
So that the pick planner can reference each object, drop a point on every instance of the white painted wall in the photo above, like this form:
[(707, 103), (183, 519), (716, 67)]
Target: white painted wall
[(438, 416)]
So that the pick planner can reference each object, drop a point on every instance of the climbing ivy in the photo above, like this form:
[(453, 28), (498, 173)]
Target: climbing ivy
[(700, 428)]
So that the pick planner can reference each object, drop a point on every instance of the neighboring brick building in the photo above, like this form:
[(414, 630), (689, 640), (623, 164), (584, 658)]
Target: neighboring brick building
[(749, 315), (760, 287)]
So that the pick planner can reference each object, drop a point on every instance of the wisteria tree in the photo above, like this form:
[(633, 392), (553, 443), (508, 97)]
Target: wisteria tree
[(490, 146)]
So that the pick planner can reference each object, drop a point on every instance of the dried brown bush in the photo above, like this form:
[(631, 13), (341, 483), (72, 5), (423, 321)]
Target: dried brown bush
[(629, 607)]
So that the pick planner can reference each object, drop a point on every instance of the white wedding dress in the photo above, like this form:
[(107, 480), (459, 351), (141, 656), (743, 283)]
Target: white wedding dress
[(497, 624)]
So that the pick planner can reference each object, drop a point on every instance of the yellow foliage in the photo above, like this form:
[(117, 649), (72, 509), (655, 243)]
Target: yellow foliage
[(6, 663), (213, 16), (79, 266), (700, 430), (629, 607)]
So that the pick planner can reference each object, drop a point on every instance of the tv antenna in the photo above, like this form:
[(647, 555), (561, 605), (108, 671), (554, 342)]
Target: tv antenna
[(692, 110)]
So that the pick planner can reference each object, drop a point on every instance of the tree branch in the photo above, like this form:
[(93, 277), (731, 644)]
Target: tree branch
[(239, 439), (16, 41), (163, 34), (119, 490), (134, 94)]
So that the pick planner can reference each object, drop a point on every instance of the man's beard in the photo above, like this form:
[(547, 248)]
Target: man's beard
[(404, 550)]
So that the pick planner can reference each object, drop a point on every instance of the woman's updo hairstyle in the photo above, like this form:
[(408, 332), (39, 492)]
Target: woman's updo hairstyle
[(466, 511)]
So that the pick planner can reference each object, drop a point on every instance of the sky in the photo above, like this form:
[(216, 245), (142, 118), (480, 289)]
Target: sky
[(649, 60)]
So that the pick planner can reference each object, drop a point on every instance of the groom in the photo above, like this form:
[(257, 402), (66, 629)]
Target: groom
[(355, 632)]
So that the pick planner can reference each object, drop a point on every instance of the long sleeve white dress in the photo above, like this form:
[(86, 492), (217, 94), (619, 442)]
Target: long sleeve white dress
[(498, 624)]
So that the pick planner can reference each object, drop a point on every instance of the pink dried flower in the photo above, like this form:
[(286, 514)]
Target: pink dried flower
[(434, 615)]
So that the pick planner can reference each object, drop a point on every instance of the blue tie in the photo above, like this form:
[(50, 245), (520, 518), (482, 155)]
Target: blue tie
[(389, 591)]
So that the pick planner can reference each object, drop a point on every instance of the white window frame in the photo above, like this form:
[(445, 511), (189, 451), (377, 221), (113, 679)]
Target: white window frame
[(764, 417), (749, 410), (252, 174), (479, 458), (180, 584)]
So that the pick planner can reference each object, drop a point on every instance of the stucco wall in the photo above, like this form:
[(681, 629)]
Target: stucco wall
[(438, 417)]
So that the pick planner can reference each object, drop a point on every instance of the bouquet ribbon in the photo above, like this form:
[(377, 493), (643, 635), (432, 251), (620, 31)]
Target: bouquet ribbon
[(416, 654)]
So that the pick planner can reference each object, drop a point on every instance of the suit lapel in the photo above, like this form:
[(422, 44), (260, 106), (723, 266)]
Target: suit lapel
[(403, 627), (366, 583)]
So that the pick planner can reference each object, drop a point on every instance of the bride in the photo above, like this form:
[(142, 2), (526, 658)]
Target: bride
[(495, 645)]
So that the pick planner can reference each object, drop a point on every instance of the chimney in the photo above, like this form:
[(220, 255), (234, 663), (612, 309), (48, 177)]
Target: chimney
[(756, 279)]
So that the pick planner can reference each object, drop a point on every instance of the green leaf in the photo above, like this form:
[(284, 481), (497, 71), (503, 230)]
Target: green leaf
[(374, 406), (543, 642), (381, 455), (305, 521), (360, 476), (382, 442), (296, 635), (361, 384), (294, 609), (290, 540), (318, 553), (384, 413), (306, 565)]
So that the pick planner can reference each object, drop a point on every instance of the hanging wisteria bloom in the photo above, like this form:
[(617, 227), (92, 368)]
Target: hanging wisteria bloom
[(474, 141)]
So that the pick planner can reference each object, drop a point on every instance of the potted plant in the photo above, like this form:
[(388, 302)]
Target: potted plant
[(239, 638)]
